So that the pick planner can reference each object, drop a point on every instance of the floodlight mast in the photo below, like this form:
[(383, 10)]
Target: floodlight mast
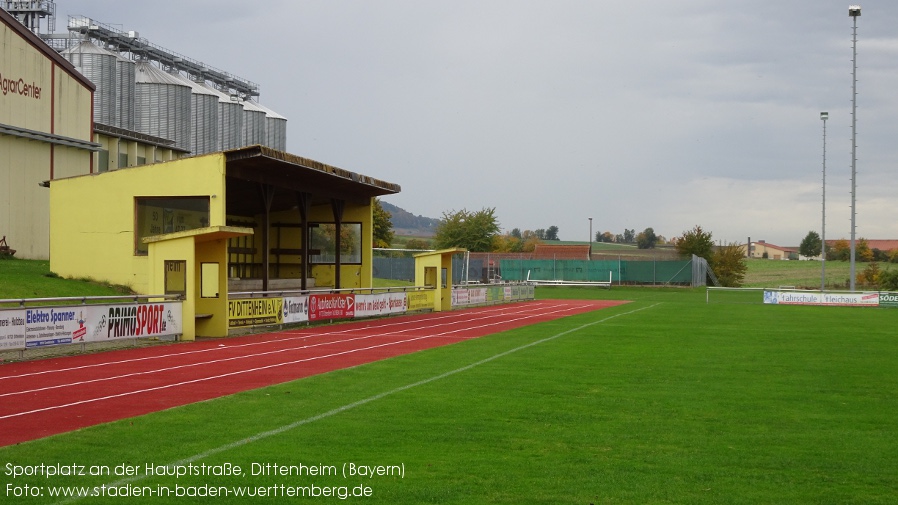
[(854, 11), (823, 116), (589, 254)]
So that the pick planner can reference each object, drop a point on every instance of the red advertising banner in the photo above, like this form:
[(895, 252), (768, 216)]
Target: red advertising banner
[(331, 307)]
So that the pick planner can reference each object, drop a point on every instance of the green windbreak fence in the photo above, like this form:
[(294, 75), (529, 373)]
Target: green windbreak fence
[(622, 271)]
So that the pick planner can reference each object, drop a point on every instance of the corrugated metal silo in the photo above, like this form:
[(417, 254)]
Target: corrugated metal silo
[(125, 92), (275, 129), (162, 105), (98, 65), (230, 120), (203, 117), (253, 124)]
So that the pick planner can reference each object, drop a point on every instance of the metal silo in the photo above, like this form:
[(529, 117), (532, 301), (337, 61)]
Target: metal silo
[(162, 105), (253, 124), (98, 65), (275, 129), (230, 120), (125, 92), (203, 117)]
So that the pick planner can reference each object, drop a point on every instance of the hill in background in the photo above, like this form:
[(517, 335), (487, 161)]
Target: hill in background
[(406, 223)]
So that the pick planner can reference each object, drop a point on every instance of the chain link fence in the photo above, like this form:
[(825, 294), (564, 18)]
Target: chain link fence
[(488, 268)]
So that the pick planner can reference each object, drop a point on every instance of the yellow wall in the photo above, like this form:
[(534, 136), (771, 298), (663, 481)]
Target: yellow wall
[(21, 60), (114, 145), (216, 326), (73, 110), (93, 217), (175, 249), (437, 262), (49, 100), (24, 206)]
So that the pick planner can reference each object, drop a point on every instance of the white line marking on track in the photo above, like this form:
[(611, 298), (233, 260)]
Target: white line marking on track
[(287, 427), (367, 335), (300, 334), (266, 367)]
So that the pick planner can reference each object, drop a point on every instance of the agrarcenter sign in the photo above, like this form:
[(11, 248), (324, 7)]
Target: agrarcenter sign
[(19, 86)]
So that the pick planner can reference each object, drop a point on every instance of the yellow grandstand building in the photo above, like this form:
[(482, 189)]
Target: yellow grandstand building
[(200, 204)]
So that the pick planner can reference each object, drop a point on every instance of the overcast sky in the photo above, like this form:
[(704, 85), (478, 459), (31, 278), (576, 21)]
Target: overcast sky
[(644, 113)]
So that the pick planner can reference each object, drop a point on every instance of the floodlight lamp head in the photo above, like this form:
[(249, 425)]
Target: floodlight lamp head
[(854, 10), (824, 115)]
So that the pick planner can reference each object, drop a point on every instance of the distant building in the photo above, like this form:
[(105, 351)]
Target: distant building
[(560, 252), (765, 250)]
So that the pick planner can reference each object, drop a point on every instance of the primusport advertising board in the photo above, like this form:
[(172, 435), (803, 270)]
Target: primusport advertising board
[(817, 298), (46, 326)]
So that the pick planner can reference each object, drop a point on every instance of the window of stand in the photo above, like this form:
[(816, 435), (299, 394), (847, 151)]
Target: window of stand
[(160, 215), (322, 240)]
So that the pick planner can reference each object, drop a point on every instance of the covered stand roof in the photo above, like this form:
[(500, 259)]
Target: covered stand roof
[(289, 174)]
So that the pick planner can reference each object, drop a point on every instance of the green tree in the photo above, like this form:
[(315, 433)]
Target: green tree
[(383, 227), (530, 241), (507, 243), (473, 231), (888, 279), (552, 233), (862, 251), (696, 241), (841, 250), (728, 264), (417, 243), (629, 236), (811, 244), (646, 239), (870, 276)]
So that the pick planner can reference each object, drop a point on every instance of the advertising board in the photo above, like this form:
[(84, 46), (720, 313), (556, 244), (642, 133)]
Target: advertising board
[(48, 326)]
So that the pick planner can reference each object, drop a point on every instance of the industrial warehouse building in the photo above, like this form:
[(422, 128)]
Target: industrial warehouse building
[(136, 104), (45, 133), (155, 161)]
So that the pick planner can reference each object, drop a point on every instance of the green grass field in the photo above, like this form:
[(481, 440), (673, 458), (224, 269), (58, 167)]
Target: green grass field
[(663, 400), (32, 279)]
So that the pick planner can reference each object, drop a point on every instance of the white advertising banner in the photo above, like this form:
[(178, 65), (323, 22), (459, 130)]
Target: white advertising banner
[(469, 296), (459, 297), (477, 296), (818, 298), (12, 329), (380, 304), (46, 326), (296, 309)]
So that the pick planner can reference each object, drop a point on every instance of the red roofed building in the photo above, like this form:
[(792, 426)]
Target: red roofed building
[(882, 245), (763, 249), (560, 252)]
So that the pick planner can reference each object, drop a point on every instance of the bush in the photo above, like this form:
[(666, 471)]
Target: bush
[(728, 263), (888, 280)]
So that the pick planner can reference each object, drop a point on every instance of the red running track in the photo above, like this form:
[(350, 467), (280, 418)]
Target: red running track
[(46, 397)]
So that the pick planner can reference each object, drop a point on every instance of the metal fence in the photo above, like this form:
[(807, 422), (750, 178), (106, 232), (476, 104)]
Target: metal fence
[(514, 267)]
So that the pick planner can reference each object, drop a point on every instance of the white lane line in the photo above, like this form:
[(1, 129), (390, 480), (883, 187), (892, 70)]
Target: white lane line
[(255, 369), (339, 410), (300, 335), (368, 335)]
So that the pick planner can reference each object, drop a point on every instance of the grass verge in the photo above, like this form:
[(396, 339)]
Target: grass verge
[(32, 279)]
